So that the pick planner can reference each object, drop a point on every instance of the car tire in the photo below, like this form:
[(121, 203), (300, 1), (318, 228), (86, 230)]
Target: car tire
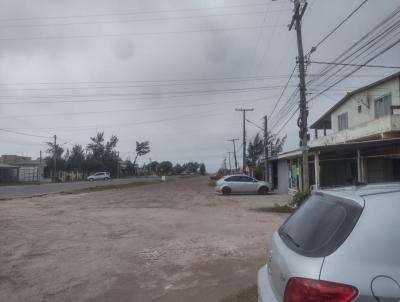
[(91, 179), (263, 191), (106, 178), (226, 191)]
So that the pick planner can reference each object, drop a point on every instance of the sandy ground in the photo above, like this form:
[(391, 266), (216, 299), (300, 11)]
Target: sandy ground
[(175, 241)]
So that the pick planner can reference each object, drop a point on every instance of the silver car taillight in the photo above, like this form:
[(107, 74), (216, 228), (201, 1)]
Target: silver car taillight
[(307, 290)]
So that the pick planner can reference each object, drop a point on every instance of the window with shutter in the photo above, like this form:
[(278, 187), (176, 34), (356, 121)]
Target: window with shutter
[(343, 121), (383, 106)]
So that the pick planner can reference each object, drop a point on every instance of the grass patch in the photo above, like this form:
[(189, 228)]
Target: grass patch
[(247, 295), (277, 209), (111, 187)]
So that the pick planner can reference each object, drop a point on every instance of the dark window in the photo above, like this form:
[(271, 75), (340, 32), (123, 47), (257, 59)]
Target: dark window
[(320, 226), (383, 106), (246, 179), (233, 178), (343, 121)]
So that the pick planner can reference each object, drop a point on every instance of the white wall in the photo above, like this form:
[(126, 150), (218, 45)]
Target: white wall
[(283, 176), (367, 114)]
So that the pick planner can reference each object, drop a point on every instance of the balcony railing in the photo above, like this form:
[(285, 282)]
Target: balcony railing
[(385, 126)]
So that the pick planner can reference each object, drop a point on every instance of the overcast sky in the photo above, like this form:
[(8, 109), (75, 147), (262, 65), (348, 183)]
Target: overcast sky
[(171, 72)]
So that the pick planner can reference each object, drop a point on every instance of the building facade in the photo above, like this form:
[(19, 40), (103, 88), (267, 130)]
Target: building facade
[(356, 141)]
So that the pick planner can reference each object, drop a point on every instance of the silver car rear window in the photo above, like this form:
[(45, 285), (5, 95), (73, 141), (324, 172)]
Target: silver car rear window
[(320, 226)]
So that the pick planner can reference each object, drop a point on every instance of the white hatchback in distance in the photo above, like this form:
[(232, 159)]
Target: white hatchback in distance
[(242, 184), (99, 176)]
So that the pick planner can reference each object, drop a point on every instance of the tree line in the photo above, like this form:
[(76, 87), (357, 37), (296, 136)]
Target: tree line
[(102, 155)]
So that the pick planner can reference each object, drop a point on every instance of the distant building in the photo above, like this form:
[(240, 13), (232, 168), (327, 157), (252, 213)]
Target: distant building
[(23, 168), (8, 173), (356, 141)]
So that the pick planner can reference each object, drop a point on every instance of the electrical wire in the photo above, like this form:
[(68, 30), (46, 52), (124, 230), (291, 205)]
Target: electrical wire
[(29, 38), (283, 91), (314, 48), (140, 20), (133, 13), (132, 110), (354, 65), (23, 133)]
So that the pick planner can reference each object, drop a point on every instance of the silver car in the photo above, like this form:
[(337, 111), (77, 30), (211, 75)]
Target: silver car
[(340, 245), (241, 184), (99, 176)]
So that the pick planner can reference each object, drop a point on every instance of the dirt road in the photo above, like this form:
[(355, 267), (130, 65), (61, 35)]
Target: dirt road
[(175, 241)]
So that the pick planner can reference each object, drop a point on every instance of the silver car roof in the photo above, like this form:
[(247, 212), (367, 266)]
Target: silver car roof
[(357, 193)]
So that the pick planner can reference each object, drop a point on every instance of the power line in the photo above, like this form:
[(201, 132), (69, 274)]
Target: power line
[(355, 65), (288, 120), (375, 41), (254, 124), (314, 48), (119, 125), (134, 34), (133, 13), (346, 55), (370, 40), (197, 81), (140, 20), (181, 97), (283, 91), (163, 94), (369, 60), (132, 86), (134, 110), (23, 133)]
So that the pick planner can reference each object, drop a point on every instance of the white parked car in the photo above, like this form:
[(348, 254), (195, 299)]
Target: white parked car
[(99, 176), (242, 184)]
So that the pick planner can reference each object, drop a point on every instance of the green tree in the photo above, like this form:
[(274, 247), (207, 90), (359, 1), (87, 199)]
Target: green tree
[(165, 167), (202, 169), (96, 146), (276, 144), (57, 151), (76, 158), (142, 148), (102, 155), (255, 150), (153, 167), (191, 167), (178, 169)]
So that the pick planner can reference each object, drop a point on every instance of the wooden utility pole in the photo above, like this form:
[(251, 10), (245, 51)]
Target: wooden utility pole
[(55, 159), (243, 110), (266, 141), (234, 151), (118, 164), (299, 9)]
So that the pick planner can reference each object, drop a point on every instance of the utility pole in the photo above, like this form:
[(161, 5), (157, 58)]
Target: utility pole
[(299, 9), (118, 164), (55, 159), (233, 140), (230, 163), (266, 141), (39, 169), (243, 110)]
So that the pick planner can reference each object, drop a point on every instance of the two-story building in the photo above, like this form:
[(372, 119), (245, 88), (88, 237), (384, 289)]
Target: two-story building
[(356, 141)]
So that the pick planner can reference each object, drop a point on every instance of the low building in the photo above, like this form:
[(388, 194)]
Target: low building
[(24, 168), (356, 141), (8, 173), (31, 170)]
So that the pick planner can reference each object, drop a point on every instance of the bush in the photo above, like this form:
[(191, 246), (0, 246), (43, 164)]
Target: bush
[(299, 198)]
